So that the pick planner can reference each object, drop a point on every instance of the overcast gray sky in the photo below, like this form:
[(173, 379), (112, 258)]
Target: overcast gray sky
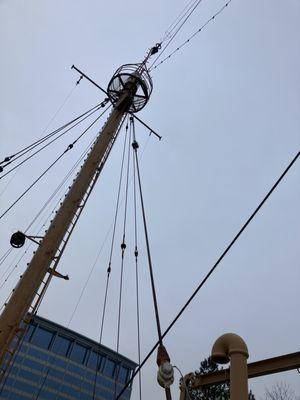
[(227, 107)]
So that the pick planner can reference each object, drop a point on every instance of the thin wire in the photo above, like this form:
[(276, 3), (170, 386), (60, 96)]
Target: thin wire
[(54, 162), (123, 248), (111, 254), (73, 313), (62, 183), (30, 244), (13, 269), (176, 32), (46, 127), (86, 115), (114, 226), (99, 253), (201, 284), (25, 252), (177, 20), (146, 237), (5, 255), (126, 187), (192, 36), (90, 272), (137, 274), (184, 383), (31, 186), (8, 183), (47, 364), (62, 105), (48, 124)]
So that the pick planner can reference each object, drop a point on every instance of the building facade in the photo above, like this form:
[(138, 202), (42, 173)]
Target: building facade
[(55, 363)]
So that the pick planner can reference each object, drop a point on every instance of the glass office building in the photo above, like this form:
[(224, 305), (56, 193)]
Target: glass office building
[(54, 363)]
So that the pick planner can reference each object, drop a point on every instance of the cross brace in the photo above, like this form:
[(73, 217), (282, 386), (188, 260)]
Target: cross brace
[(268, 366)]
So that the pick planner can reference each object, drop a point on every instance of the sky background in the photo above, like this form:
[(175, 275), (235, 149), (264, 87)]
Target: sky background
[(227, 106)]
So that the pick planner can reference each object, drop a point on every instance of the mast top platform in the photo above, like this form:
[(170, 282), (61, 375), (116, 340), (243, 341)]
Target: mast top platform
[(135, 76)]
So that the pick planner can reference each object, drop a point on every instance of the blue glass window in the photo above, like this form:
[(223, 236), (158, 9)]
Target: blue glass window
[(78, 353), (123, 374), (23, 386), (77, 369), (37, 353), (54, 373), (46, 395), (27, 362), (94, 360), (28, 331), (61, 345), (109, 368), (10, 395), (42, 337)]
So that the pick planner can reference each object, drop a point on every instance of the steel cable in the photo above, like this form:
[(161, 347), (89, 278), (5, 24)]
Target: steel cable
[(136, 274), (195, 5), (48, 124), (49, 366), (177, 20), (70, 147), (203, 281), (135, 147), (190, 37), (123, 248), (111, 254), (84, 116)]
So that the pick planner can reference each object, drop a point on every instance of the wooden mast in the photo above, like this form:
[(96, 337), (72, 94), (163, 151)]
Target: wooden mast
[(24, 293)]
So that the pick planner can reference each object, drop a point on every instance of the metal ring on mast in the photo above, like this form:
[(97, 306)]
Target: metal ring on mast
[(125, 76)]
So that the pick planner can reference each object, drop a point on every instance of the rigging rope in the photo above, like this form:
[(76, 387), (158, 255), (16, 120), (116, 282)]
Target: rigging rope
[(62, 183), (14, 267), (70, 147), (100, 251), (45, 221), (190, 37), (5, 255), (111, 254), (80, 119), (162, 358), (178, 19), (123, 248), (136, 253), (203, 281), (135, 147), (49, 366), (190, 12), (46, 127), (114, 230), (11, 272)]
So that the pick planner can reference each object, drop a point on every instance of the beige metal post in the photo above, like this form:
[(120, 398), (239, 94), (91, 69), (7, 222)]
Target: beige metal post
[(29, 283), (231, 347)]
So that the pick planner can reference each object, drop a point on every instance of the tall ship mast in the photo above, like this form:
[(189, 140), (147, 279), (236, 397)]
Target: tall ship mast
[(129, 91)]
